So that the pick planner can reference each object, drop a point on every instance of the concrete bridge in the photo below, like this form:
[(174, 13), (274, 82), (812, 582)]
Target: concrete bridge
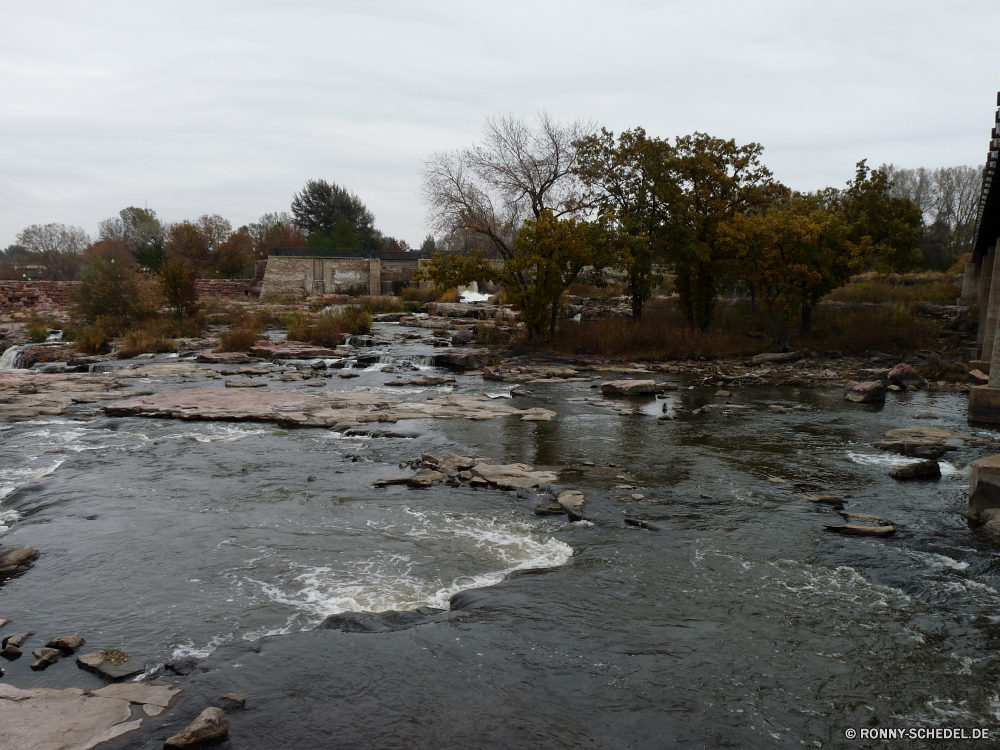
[(981, 285)]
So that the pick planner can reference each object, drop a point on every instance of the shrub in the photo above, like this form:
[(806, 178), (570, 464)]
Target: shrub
[(113, 290), (416, 294), (177, 282), (143, 340), (38, 329), (94, 338), (237, 340), (328, 329), (488, 335), (384, 303), (451, 295)]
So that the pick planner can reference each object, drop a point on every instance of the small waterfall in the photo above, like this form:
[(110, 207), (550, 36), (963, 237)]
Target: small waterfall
[(415, 359), (11, 359)]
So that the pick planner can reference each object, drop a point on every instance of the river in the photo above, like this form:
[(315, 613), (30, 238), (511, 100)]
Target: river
[(740, 622)]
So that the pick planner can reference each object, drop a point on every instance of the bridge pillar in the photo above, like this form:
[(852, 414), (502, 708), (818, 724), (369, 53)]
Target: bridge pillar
[(969, 285), (374, 276)]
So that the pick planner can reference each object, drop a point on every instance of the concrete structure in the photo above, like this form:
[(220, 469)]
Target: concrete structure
[(984, 401), (293, 273)]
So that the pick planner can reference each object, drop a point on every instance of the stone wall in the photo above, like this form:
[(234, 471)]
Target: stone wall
[(223, 287), (46, 295), (39, 295), (299, 277)]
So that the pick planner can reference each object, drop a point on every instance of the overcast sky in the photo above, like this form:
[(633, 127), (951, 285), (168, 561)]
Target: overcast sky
[(229, 107)]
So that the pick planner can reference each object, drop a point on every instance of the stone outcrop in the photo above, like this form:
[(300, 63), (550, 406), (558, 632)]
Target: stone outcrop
[(532, 373), (224, 358), (334, 409), (430, 380), (211, 725), (29, 395), (868, 392), (629, 388), (512, 476), (67, 644)]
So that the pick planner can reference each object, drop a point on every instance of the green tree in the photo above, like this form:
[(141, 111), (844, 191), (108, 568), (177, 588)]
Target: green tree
[(141, 231), (326, 209), (718, 180), (550, 254), (113, 290), (633, 182), (891, 225)]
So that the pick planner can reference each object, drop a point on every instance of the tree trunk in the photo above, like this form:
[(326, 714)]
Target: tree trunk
[(555, 313), (636, 306), (807, 318), (753, 300)]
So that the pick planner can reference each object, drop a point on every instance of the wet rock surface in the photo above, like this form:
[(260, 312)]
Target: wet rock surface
[(211, 725), (918, 470), (15, 558), (111, 664), (336, 410)]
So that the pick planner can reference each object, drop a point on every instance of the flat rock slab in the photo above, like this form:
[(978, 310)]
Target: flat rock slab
[(291, 350), (171, 370), (103, 664), (853, 529), (444, 380), (245, 384), (628, 387), (46, 719), (30, 395), (334, 409), (513, 476), (140, 692), (223, 358)]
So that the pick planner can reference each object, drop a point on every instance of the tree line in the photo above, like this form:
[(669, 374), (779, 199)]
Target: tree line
[(536, 206), (323, 215)]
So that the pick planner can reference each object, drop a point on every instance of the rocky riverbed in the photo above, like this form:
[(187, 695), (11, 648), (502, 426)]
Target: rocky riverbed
[(530, 553)]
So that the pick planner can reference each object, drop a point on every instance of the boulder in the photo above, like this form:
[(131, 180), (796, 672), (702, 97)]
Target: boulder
[(628, 388), (10, 652), (461, 337), (904, 375), (926, 448), (16, 557), (211, 725), (868, 392), (918, 470), (67, 644), (769, 357), (111, 664), (348, 374)]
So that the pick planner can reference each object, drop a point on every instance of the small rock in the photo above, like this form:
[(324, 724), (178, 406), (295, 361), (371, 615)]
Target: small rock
[(245, 383), (918, 470), (705, 496), (311, 478), (10, 652), (587, 463), (903, 375), (347, 374), (210, 725), (926, 415), (777, 409), (46, 657), (637, 496), (723, 394), (549, 507), (67, 644), (895, 388), (3, 622), (641, 524), (16, 640), (232, 701)]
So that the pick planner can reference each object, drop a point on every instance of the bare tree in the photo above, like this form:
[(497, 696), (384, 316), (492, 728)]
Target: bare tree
[(517, 171), (57, 246)]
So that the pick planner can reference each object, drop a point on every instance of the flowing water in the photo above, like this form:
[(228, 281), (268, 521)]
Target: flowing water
[(739, 623)]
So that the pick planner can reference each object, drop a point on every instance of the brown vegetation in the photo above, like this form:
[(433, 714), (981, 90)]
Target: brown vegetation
[(328, 328)]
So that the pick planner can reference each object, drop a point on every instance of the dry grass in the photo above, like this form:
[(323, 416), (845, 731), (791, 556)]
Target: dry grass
[(385, 303), (328, 329), (663, 334), (893, 289)]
